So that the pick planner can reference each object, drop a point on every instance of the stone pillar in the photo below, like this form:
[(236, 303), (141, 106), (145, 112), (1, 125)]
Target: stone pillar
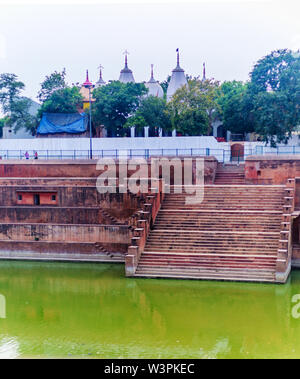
[(160, 132), (174, 133)]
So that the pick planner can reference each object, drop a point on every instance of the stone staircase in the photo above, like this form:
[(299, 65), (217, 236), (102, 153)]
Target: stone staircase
[(230, 174), (236, 233)]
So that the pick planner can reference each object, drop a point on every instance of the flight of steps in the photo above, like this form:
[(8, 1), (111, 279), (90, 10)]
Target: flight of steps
[(232, 235), (230, 174)]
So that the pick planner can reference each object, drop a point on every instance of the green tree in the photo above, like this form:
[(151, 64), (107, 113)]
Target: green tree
[(152, 113), (273, 117), (2, 124), (14, 106), (194, 107), (268, 71), (52, 83), (115, 103), (235, 107), (64, 100), (275, 95), (165, 84)]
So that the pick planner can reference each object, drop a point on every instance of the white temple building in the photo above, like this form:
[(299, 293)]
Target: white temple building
[(126, 75), (178, 79), (154, 88)]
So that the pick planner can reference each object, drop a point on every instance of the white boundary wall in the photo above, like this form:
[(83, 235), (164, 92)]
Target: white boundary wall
[(125, 143), (201, 145)]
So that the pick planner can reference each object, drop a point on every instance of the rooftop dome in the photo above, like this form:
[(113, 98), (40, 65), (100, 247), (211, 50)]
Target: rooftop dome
[(154, 88), (126, 75), (178, 79)]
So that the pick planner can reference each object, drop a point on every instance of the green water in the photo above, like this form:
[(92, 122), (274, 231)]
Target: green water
[(91, 310)]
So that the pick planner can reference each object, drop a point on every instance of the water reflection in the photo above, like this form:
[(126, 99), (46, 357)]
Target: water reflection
[(62, 310), (2, 306), (9, 348)]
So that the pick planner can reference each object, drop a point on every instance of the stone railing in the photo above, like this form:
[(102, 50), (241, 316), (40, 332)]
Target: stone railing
[(284, 256), (141, 224)]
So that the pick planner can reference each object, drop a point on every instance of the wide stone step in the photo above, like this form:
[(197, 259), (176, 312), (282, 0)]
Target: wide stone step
[(229, 250), (233, 234), (206, 263), (198, 221), (235, 228), (209, 275), (217, 243), (198, 269)]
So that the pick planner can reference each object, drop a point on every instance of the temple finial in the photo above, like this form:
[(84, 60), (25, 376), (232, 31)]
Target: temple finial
[(152, 76), (100, 68), (204, 72), (177, 50), (126, 52)]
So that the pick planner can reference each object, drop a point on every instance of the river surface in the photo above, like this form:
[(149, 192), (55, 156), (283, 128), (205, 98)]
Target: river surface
[(67, 310)]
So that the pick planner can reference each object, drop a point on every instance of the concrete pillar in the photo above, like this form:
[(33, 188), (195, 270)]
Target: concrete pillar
[(160, 132), (146, 131), (215, 130), (132, 132), (174, 133)]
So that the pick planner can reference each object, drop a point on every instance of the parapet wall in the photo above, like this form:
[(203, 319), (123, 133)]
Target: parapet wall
[(271, 169), (85, 170)]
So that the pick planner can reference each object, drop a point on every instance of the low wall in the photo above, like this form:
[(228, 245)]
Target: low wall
[(84, 169), (271, 169), (53, 215), (61, 251), (107, 234)]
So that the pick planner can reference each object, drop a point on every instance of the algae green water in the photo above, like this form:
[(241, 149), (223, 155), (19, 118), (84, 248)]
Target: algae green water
[(91, 310)]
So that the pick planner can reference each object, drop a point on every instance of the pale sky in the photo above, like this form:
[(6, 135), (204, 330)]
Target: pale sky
[(40, 36)]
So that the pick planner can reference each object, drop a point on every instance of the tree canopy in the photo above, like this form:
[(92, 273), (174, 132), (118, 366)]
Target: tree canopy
[(152, 113), (15, 107), (193, 107), (54, 82), (235, 106), (274, 91), (115, 103), (64, 100)]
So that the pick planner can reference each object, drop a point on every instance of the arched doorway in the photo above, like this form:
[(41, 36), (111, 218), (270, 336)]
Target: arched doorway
[(237, 152)]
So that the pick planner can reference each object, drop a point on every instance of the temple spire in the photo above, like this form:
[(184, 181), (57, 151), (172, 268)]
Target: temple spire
[(100, 82), (87, 81), (100, 73), (204, 72), (126, 52), (154, 88), (126, 75), (152, 75), (177, 50)]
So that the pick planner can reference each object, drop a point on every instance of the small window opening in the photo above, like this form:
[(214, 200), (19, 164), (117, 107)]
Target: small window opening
[(36, 199)]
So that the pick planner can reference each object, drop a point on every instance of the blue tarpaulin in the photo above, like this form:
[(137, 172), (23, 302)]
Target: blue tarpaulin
[(52, 123)]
